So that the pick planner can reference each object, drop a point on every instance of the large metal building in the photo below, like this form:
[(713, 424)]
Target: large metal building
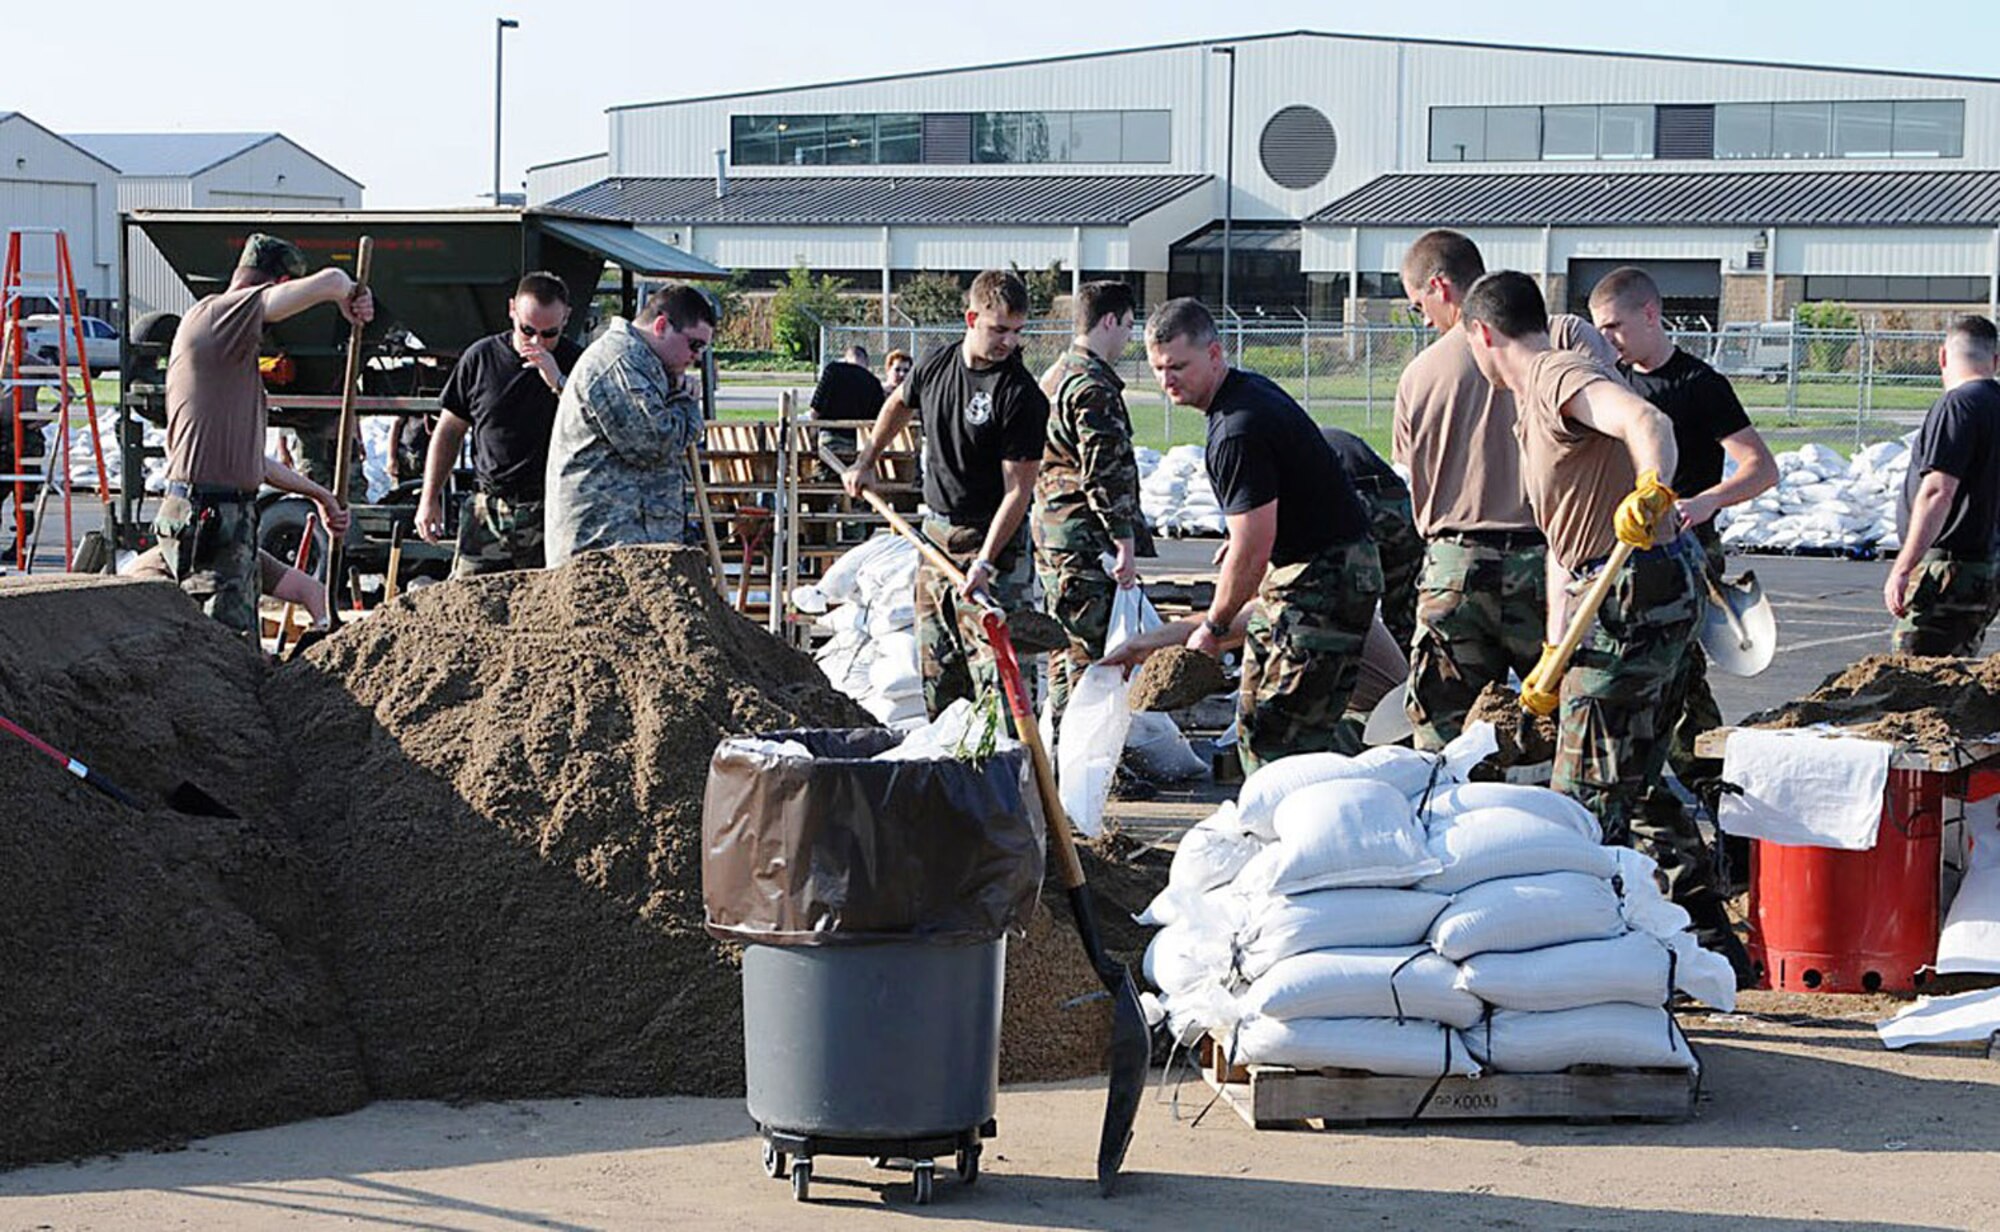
[(209, 170), (1748, 187), (50, 181)]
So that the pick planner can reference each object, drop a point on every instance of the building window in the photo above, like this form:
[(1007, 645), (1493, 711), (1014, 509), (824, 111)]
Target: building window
[(1877, 289), (1016, 137), (1513, 134), (850, 140), (1743, 130), (1913, 128), (1458, 135), (1927, 129), (1801, 130), (1146, 137), (899, 139), (1624, 132), (1863, 130), (1569, 132), (1093, 137)]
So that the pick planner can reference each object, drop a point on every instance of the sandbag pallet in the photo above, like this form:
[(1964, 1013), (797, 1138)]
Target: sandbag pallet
[(1278, 1097)]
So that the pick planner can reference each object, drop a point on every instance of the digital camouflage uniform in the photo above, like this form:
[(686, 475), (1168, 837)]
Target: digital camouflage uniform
[(1948, 607), (1086, 499), (952, 652), (618, 453), (1392, 523), (496, 535), (1620, 695), (209, 548), (1482, 608), (1302, 655)]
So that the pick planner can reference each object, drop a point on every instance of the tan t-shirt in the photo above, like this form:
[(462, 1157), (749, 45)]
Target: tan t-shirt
[(1455, 433), (215, 396), (1576, 475)]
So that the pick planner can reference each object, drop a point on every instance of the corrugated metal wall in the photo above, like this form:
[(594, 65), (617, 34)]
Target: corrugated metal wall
[(46, 182), (546, 183)]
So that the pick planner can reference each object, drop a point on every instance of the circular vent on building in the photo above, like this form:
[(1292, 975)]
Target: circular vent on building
[(1297, 147)]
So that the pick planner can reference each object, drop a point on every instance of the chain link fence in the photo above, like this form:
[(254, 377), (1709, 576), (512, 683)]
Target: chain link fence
[(1842, 388)]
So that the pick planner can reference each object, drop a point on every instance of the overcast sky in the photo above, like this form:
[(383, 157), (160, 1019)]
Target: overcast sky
[(400, 95)]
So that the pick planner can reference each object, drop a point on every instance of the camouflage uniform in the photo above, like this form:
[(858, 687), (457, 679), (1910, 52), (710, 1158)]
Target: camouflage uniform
[(1622, 690), (618, 453), (208, 542), (1482, 608), (1302, 655), (1948, 607), (951, 640), (317, 455), (1698, 712), (496, 535), (1086, 499), (1393, 525)]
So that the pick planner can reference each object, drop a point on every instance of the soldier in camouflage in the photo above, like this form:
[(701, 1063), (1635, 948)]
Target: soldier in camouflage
[(1391, 523), (617, 469), (1298, 545), (1087, 494), (1592, 453)]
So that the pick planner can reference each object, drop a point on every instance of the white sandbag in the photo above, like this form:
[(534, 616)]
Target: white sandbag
[(1703, 974), (1097, 720), (1328, 919), (1155, 749), (842, 580), (1406, 770), (894, 672), (1491, 843), (1632, 967), (1345, 832), (1212, 852), (1647, 907), (1407, 1049), (1182, 958), (1622, 1035), (1540, 801), (1267, 786), (1406, 982), (1527, 913)]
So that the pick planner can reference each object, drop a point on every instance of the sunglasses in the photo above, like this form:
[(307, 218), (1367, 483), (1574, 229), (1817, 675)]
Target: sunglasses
[(546, 335)]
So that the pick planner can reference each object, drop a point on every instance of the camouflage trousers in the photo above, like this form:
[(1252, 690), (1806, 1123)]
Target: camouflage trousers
[(496, 535), (317, 457), (1079, 594), (1698, 712), (1949, 605), (1482, 609), (951, 643), (1394, 527), (1302, 654), (209, 548), (1620, 700)]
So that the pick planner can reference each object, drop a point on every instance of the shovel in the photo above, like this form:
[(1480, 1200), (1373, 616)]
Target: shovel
[(1390, 720), (1739, 631), (184, 798), (1131, 1039), (1540, 692)]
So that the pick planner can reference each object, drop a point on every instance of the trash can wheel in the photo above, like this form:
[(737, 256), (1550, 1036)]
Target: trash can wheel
[(921, 1181), (774, 1161), (968, 1164), (802, 1178)]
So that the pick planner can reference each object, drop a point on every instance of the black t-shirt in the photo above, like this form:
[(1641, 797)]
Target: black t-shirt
[(847, 391), (511, 410), (974, 419), (1369, 470), (1961, 438), (1262, 447), (1704, 409)]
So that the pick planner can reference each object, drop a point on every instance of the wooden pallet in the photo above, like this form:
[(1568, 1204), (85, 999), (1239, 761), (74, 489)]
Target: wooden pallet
[(1275, 1097)]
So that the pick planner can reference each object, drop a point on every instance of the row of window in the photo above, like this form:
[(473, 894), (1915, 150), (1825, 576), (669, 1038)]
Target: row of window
[(1878, 289), (950, 138), (1903, 128)]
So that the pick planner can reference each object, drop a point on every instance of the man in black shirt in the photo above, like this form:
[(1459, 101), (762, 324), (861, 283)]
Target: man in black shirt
[(849, 391), (1298, 544), (985, 421), (1709, 424), (504, 390), (1392, 523), (1941, 589)]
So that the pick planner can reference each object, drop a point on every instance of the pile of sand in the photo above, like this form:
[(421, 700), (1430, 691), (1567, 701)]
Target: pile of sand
[(1175, 678), (471, 865), (1930, 704), (1524, 739)]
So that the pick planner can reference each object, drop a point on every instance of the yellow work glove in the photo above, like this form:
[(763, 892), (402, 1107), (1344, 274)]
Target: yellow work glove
[(1541, 692), (1644, 513)]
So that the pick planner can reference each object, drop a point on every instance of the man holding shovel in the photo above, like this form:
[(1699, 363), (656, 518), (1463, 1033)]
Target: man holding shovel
[(1592, 453)]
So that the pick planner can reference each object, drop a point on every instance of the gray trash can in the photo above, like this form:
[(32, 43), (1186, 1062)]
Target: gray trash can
[(873, 900)]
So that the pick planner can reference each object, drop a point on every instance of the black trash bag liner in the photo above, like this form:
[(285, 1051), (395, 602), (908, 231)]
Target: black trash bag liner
[(841, 850)]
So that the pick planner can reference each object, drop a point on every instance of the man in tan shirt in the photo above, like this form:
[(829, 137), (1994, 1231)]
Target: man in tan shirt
[(1592, 453)]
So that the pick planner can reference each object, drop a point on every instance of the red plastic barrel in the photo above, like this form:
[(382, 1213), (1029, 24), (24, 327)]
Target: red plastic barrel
[(1854, 921)]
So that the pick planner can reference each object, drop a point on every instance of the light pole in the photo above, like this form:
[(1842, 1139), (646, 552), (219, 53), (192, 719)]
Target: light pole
[(1229, 179), (500, 27)]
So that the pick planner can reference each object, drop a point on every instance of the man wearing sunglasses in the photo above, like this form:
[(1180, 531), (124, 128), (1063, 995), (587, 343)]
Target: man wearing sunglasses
[(503, 390), (617, 469)]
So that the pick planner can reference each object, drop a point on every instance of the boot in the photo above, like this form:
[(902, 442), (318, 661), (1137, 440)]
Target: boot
[(1715, 932)]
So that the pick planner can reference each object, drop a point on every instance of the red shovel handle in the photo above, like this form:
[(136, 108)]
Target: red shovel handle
[(1030, 734)]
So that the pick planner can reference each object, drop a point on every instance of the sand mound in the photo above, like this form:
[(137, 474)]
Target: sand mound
[(1175, 678), (1524, 739), (1931, 704)]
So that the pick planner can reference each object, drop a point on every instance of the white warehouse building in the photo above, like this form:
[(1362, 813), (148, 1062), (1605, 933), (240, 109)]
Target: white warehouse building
[(1748, 188), (47, 180)]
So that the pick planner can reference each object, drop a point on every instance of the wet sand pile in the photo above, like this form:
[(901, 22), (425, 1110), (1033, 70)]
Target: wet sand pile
[(161, 975), (468, 865), (1525, 739), (1930, 704), (1175, 678)]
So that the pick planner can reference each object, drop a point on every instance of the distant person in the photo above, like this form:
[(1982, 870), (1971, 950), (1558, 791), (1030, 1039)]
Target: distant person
[(985, 425), (847, 393), (895, 370), (1941, 590), (504, 390), (617, 470), (216, 420), (1298, 545), (1087, 494), (1391, 523)]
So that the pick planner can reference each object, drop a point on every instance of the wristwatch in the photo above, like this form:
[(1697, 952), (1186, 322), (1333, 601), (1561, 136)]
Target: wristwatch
[(1214, 626)]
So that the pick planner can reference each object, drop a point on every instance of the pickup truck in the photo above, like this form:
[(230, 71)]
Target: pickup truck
[(41, 342)]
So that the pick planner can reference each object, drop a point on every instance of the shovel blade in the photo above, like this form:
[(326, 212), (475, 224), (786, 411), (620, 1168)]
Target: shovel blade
[(1131, 1057), (1740, 635), (193, 801), (1390, 720)]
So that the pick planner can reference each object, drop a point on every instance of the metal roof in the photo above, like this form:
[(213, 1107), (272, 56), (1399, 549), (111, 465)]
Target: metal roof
[(876, 200), (634, 250), (186, 154), (1673, 199)]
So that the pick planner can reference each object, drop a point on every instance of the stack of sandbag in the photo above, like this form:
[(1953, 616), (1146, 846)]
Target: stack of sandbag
[(1824, 501), (1175, 495), (1379, 913), (81, 468), (867, 601)]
